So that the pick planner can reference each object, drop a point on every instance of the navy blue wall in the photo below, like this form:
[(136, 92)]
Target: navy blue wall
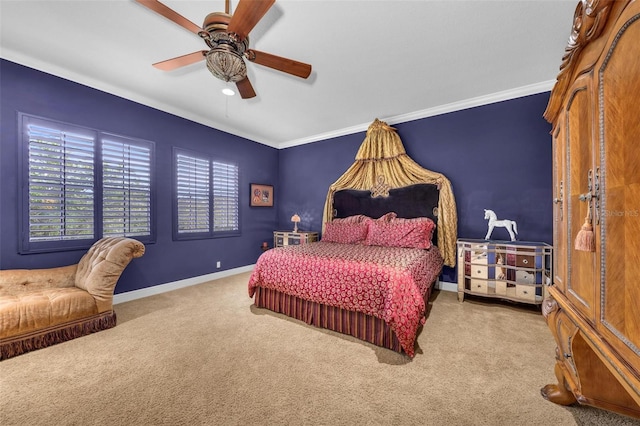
[(497, 157), (33, 92)]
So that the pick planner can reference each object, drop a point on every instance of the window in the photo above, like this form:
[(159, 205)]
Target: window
[(193, 194), (225, 197), (80, 185), (206, 197), (126, 189)]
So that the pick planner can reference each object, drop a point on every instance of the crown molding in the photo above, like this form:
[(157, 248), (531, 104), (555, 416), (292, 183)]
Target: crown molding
[(67, 74), (28, 61), (506, 95)]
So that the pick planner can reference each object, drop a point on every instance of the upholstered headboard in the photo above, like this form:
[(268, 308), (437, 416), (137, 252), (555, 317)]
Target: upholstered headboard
[(420, 200)]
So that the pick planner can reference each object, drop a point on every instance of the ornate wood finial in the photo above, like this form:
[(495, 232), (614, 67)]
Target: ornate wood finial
[(588, 23)]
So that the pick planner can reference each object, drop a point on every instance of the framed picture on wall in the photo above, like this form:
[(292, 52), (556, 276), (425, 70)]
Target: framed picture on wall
[(261, 195)]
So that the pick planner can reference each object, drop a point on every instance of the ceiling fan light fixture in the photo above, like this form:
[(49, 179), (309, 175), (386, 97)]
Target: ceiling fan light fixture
[(226, 64), (227, 37), (228, 92)]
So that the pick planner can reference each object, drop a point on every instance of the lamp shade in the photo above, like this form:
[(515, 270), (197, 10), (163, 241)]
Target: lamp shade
[(295, 219)]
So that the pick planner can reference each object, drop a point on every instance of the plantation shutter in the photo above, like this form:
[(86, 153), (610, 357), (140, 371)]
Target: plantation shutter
[(193, 194), (126, 193), (225, 197), (61, 181)]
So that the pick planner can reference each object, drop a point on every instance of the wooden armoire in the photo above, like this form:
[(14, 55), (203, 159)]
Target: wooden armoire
[(593, 309)]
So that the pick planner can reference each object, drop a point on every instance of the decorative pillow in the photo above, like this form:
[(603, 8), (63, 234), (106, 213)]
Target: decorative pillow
[(414, 220), (387, 217), (359, 218), (409, 233), (351, 219), (345, 232), (430, 224)]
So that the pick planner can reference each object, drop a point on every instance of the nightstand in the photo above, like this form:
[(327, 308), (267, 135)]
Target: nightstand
[(290, 238)]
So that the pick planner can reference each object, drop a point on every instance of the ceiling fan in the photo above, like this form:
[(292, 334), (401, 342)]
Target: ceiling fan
[(227, 37)]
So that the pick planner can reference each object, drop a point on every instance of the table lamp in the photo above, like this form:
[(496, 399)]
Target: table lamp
[(295, 219)]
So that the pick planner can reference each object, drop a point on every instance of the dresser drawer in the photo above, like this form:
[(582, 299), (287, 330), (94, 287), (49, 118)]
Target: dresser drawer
[(480, 259), (479, 286), (524, 261), (479, 271), (526, 292), (525, 277)]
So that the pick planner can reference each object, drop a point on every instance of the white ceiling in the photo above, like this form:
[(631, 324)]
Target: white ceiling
[(393, 60)]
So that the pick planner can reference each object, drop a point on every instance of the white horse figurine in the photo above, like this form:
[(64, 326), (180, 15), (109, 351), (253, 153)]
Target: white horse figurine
[(511, 226)]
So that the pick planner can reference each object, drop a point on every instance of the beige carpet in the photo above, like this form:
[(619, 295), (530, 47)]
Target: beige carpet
[(204, 355)]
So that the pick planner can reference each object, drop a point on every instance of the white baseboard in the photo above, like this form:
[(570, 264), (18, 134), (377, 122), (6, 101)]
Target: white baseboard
[(446, 286), (175, 285)]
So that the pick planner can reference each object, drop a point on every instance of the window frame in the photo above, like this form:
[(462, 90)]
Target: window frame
[(211, 233), (141, 145), (26, 246)]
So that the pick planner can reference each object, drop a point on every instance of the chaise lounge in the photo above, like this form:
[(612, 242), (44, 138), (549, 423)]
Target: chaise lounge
[(42, 307)]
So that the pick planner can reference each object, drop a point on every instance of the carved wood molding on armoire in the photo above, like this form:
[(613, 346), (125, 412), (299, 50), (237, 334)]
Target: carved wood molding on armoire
[(593, 308)]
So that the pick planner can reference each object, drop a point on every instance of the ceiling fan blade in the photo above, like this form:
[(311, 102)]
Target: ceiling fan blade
[(170, 14), (245, 88), (181, 61), (247, 15), (299, 69)]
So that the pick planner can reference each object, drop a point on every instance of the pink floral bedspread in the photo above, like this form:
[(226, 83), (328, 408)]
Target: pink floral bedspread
[(386, 282)]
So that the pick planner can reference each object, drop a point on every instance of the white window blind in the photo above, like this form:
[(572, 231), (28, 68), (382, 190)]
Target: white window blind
[(126, 189), (225, 197), (61, 181), (193, 194), (80, 184)]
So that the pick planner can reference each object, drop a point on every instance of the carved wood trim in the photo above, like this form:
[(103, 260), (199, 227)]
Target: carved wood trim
[(588, 22), (602, 193), (549, 306), (623, 371)]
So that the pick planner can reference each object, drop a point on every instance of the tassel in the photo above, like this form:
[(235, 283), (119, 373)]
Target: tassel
[(585, 240)]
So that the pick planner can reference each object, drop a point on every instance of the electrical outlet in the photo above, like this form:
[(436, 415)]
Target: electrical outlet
[(218, 264)]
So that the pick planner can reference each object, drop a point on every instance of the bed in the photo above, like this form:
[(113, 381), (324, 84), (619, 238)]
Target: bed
[(388, 228)]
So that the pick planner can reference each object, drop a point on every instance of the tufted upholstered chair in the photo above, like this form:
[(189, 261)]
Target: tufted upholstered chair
[(40, 307)]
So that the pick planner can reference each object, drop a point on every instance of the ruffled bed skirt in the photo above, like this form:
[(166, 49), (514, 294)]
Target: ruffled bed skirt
[(362, 326), (18, 345)]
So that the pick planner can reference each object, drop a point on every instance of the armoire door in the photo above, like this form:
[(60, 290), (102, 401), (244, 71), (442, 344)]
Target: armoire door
[(580, 288), (619, 151), (559, 207)]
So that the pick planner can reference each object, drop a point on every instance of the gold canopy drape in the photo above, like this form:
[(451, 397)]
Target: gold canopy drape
[(382, 163)]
